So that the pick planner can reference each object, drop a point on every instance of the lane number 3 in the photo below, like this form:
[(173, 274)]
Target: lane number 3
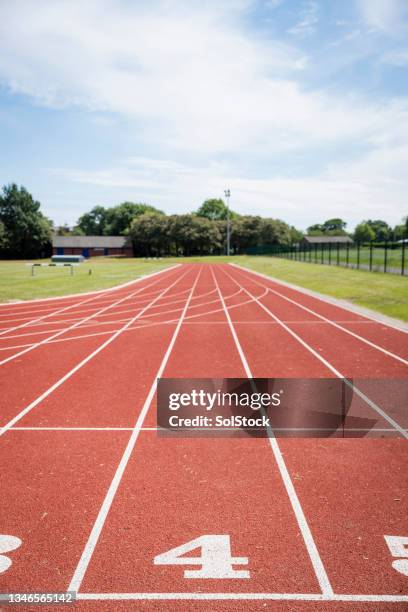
[(398, 546), (215, 559), (7, 544)]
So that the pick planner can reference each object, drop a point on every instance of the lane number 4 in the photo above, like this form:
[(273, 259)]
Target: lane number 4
[(398, 546), (215, 559), (7, 544)]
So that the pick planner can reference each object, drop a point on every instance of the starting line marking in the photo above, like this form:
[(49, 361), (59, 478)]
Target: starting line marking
[(249, 596)]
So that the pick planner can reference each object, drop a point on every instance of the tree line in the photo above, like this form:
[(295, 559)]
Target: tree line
[(202, 232), (26, 233)]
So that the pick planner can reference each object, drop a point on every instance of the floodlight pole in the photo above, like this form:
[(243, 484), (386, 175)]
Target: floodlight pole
[(227, 193)]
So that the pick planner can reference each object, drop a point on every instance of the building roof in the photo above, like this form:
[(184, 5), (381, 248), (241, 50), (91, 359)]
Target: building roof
[(327, 239), (115, 242)]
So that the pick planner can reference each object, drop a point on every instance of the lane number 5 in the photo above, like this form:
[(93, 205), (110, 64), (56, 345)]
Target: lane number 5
[(215, 559), (398, 546)]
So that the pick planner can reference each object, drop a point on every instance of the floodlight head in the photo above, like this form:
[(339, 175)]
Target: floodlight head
[(227, 193)]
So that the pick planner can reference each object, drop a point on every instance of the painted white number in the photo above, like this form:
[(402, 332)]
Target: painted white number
[(398, 546), (7, 544), (215, 560)]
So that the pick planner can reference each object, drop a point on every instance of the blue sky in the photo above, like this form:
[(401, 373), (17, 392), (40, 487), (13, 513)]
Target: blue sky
[(299, 107)]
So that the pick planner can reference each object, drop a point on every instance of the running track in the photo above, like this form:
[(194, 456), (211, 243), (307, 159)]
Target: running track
[(93, 494)]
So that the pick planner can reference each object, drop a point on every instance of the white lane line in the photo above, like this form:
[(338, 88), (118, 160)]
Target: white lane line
[(243, 596), (68, 375), (39, 319), (135, 303), (84, 311), (73, 319), (336, 372), (100, 520), (333, 323), (311, 547), (78, 323), (338, 303), (87, 553), (146, 323)]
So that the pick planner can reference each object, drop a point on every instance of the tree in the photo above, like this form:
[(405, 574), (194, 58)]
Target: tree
[(94, 222), (62, 230), (364, 233), (215, 210), (27, 231), (149, 234), (119, 218), (274, 231), (113, 221), (295, 235), (331, 227), (334, 226), (381, 229), (3, 236), (315, 230), (401, 231)]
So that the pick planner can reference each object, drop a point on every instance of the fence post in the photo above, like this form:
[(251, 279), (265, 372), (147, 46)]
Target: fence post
[(330, 253), (338, 254), (371, 255), (315, 250), (358, 255), (310, 253), (322, 253), (385, 255), (347, 254), (403, 257)]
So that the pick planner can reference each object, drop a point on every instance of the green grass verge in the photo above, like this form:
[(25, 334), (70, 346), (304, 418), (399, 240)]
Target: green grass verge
[(16, 282), (384, 293)]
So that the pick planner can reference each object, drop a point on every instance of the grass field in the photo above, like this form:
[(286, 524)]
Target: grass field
[(384, 293), (16, 282)]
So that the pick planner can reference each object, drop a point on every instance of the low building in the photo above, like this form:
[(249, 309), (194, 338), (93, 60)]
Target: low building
[(91, 246), (326, 240)]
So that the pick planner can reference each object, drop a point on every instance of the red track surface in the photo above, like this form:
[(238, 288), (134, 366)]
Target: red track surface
[(94, 495)]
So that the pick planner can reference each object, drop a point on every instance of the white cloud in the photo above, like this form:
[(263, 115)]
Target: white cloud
[(194, 82), (372, 187), (384, 15), (308, 19), (189, 78), (397, 57)]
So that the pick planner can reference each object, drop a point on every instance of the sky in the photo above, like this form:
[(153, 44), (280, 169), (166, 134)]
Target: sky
[(299, 107)]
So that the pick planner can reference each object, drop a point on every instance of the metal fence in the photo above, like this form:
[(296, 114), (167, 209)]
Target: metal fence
[(387, 257)]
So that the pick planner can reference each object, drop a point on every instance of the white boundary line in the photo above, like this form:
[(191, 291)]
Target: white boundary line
[(83, 312), (147, 322), (311, 547), (41, 318), (78, 323), (355, 390), (87, 553), (344, 304), (68, 375), (239, 429), (243, 596), (333, 323), (73, 295)]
